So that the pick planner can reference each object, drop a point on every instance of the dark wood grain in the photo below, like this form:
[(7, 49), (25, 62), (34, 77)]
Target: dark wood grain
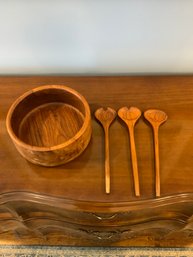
[(171, 94), (82, 180), (50, 125)]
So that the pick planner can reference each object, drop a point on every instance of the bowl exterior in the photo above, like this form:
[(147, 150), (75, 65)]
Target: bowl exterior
[(60, 156), (57, 155)]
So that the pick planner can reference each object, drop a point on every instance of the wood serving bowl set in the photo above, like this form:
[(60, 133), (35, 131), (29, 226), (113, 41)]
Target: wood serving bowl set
[(51, 125)]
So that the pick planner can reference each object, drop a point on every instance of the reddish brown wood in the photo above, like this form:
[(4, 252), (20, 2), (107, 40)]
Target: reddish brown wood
[(106, 117), (50, 125), (156, 118), (130, 117), (67, 204)]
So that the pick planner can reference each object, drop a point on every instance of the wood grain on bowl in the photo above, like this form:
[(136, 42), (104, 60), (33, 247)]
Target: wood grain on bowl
[(50, 125)]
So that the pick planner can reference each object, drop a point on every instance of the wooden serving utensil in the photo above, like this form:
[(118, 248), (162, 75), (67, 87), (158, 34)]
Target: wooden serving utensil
[(106, 117), (156, 118), (130, 117)]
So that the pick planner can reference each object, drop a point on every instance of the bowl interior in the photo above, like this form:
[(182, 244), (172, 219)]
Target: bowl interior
[(48, 117)]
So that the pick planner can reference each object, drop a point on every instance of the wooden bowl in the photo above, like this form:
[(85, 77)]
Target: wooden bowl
[(50, 125)]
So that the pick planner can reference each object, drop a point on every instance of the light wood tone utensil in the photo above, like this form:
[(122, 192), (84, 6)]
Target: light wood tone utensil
[(106, 117), (130, 117), (156, 118)]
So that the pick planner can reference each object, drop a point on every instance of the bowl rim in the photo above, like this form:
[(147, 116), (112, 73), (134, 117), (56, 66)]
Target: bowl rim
[(84, 127)]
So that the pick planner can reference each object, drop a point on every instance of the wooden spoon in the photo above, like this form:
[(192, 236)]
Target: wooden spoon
[(106, 117), (130, 117), (156, 118)]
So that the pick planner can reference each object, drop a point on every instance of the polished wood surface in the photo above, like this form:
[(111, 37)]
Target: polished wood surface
[(130, 117), (70, 199), (50, 125), (106, 117), (170, 94)]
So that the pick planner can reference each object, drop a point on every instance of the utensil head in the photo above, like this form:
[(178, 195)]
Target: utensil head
[(131, 114), (105, 115), (156, 117)]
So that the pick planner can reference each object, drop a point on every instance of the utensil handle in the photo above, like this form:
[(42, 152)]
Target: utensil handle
[(157, 164), (134, 161), (107, 161)]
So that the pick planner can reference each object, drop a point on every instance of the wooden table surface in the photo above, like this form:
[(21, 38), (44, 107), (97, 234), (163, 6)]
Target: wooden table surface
[(83, 178)]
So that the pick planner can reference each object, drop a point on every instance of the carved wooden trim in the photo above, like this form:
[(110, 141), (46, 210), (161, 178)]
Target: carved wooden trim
[(77, 205), (26, 212)]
